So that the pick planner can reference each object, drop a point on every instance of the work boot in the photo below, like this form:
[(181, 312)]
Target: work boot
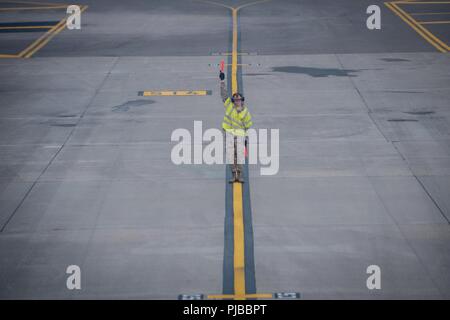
[(237, 177), (234, 178), (239, 173)]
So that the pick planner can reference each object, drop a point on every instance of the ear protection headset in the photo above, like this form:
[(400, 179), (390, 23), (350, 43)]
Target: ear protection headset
[(237, 94)]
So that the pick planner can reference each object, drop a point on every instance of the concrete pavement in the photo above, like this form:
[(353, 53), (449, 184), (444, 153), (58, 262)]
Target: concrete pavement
[(86, 176)]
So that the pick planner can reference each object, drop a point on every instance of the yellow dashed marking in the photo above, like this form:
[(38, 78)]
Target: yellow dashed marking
[(175, 93)]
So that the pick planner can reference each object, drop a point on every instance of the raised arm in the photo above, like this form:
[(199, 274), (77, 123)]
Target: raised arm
[(223, 89)]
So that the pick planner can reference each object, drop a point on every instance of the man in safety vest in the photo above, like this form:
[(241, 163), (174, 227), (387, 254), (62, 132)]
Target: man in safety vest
[(236, 121)]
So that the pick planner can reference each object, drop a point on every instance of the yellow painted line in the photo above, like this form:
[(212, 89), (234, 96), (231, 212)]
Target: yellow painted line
[(238, 217), (434, 22), (396, 10), (234, 52), (428, 33), (251, 4), (43, 40), (26, 27), (9, 56), (239, 255), (234, 56), (32, 48), (34, 2), (428, 13), (32, 8), (422, 2), (216, 3), (175, 93), (241, 297)]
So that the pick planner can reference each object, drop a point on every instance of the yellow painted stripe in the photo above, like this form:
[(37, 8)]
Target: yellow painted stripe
[(40, 3), (239, 255), (33, 8), (216, 4), (391, 6), (175, 93), (251, 3), (240, 297), (36, 45), (234, 56), (428, 33), (238, 216), (26, 27), (42, 41), (9, 56), (428, 13), (421, 2), (434, 22)]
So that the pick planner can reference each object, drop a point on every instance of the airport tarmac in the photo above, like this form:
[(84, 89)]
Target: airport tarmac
[(87, 179)]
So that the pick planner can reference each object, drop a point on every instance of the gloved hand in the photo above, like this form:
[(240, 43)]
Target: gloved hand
[(221, 76)]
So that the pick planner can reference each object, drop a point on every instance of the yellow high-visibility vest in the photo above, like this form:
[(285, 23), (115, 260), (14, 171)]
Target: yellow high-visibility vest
[(235, 122)]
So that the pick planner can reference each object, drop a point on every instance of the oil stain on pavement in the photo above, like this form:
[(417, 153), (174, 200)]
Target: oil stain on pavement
[(317, 72), (124, 107), (394, 60), (420, 113)]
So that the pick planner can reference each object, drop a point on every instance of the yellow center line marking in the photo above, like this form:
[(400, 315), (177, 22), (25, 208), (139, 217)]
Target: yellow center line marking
[(239, 255), (434, 22), (417, 27), (238, 217), (234, 56)]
